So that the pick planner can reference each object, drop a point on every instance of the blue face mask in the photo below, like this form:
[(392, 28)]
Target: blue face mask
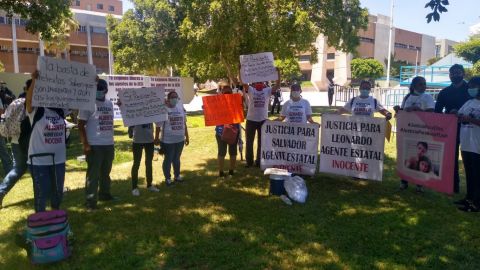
[(473, 92), (364, 93), (173, 101), (100, 95)]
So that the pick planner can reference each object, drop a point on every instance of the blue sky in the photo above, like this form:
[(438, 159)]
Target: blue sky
[(410, 15)]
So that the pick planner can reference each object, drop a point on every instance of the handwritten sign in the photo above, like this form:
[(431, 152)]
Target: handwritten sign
[(223, 109), (142, 105), (290, 146), (352, 146), (64, 84), (258, 68)]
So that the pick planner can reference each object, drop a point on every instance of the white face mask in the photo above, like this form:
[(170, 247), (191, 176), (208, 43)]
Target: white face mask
[(295, 94)]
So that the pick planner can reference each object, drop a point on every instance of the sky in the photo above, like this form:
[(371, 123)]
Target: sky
[(410, 15)]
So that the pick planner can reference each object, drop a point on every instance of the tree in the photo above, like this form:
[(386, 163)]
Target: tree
[(437, 7), (433, 60), (2, 68), (366, 69), (289, 69), (396, 65), (44, 16), (204, 38), (469, 50), (59, 38)]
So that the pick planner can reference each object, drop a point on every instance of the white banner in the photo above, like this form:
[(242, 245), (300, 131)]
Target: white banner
[(258, 68), (142, 106), (290, 146), (352, 146), (64, 84)]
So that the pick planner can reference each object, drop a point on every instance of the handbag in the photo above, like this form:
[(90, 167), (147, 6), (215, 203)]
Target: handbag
[(230, 134)]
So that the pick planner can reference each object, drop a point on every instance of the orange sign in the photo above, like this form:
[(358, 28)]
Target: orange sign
[(223, 109)]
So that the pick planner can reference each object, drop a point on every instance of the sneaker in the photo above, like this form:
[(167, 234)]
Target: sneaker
[(286, 200), (178, 179), (461, 202), (90, 207), (420, 189), (135, 192), (168, 182), (230, 173), (153, 189), (403, 186)]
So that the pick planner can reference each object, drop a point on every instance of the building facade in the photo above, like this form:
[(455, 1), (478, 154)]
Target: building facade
[(89, 44), (444, 47)]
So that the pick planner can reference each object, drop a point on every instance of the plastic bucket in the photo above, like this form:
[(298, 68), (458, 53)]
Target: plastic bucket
[(276, 185)]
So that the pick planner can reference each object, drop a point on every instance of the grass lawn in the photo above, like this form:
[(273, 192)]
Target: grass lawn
[(211, 223)]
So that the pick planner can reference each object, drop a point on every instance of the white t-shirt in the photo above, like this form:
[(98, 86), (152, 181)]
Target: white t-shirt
[(423, 101), (258, 103), (99, 126), (470, 133), (363, 106), (296, 111), (174, 128), (48, 136)]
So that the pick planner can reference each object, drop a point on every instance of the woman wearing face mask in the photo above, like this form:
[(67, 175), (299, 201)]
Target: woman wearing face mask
[(469, 117), (174, 137), (364, 105), (416, 100), (296, 109)]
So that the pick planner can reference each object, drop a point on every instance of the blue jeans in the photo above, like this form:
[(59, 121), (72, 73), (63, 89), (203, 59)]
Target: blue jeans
[(44, 183), (5, 156), (18, 170), (173, 151)]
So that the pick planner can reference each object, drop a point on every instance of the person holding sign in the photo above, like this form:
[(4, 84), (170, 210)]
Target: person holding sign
[(174, 137), (296, 109), (417, 100), (46, 151), (364, 105), (96, 134), (142, 139), (258, 101), (469, 117)]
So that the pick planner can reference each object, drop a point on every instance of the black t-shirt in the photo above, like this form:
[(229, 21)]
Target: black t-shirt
[(452, 98)]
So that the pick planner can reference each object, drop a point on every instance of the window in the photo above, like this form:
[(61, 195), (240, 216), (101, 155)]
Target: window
[(98, 30), (304, 58), (82, 28), (437, 50), (450, 49), (111, 8), (401, 45), (77, 3), (330, 56), (99, 6), (368, 40)]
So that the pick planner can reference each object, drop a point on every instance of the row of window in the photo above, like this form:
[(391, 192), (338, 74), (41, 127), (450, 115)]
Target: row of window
[(100, 54), (8, 20), (99, 6), (405, 46), (93, 29), (368, 40)]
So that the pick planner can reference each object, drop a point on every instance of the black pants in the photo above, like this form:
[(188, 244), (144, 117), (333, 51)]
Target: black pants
[(252, 128), (137, 157), (330, 98), (276, 102), (456, 175), (471, 162)]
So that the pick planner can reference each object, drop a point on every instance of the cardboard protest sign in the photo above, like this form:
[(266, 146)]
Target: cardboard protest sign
[(426, 149), (290, 146), (64, 84), (142, 105), (352, 146), (258, 68), (223, 109)]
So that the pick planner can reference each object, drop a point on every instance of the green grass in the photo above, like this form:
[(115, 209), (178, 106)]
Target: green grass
[(208, 223)]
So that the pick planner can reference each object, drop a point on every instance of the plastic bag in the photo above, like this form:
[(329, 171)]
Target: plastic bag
[(296, 188)]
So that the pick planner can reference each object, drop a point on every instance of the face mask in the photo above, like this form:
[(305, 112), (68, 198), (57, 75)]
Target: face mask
[(364, 92), (295, 94), (417, 93), (173, 101), (100, 95), (473, 92), (456, 79)]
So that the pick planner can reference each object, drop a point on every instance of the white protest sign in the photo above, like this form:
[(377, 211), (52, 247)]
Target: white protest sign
[(258, 68), (142, 105), (290, 146), (64, 84), (352, 146)]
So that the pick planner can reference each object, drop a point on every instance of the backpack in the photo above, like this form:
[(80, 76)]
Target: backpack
[(15, 113), (230, 134)]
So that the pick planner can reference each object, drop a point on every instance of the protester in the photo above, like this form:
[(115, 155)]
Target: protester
[(4, 155), (416, 100), (331, 90), (258, 100), (450, 100), (364, 105), (96, 134), (142, 139), (296, 109), (6, 95), (174, 137), (469, 117), (16, 112), (46, 152), (222, 142), (277, 99)]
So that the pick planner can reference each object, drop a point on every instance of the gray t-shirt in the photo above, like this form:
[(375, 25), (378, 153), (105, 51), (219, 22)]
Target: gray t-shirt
[(143, 133), (174, 128), (99, 123)]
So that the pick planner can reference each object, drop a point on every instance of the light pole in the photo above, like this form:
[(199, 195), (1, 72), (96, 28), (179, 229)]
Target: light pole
[(390, 43)]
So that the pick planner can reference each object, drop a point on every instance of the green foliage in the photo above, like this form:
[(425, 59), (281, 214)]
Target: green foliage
[(44, 16), (2, 67), (366, 68), (395, 65), (469, 50), (437, 7), (473, 71), (204, 39), (59, 39), (289, 69), (433, 60)]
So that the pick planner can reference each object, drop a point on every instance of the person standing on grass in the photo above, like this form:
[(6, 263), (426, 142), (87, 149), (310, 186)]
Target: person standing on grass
[(258, 100), (47, 137), (174, 137), (96, 135), (277, 99), (296, 109), (142, 139), (469, 118), (416, 100), (450, 100)]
